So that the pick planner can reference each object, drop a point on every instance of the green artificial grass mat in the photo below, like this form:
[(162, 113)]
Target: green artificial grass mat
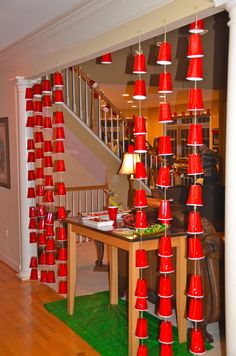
[(105, 327)]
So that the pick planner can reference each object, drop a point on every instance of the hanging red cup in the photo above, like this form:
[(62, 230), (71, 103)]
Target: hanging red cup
[(32, 237), (142, 350), (141, 288), (197, 27), (142, 328), (31, 193), (39, 173), (166, 350), (61, 233), (59, 118), (194, 164), (50, 245), (37, 90), (49, 218), (31, 175), (34, 274), (141, 304), (33, 262), (59, 147), (41, 240), (195, 101), (106, 58), (62, 287), (47, 101), (140, 144), (195, 251), (32, 224), (163, 177), (48, 181), (61, 189), (141, 259), (58, 97), (165, 308), (60, 165), (164, 212), (30, 144), (140, 90), (164, 54), (197, 346), (50, 259), (47, 147), (139, 126), (39, 154), (62, 254), (48, 163), (49, 230), (38, 121), (38, 137), (166, 332), (43, 258), (140, 171), (46, 86), (139, 64), (141, 220), (165, 249), (41, 224), (41, 210), (195, 135), (47, 122), (195, 311), (140, 200), (51, 277), (194, 223), (165, 147), (43, 276), (28, 93), (57, 80), (62, 270), (165, 83), (165, 113), (60, 135), (49, 196), (61, 213), (195, 195), (195, 46), (32, 212), (38, 106), (195, 69), (165, 288), (29, 106), (166, 265), (30, 121), (195, 286)]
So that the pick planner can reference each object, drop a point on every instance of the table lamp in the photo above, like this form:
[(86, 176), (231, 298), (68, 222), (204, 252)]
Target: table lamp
[(128, 165)]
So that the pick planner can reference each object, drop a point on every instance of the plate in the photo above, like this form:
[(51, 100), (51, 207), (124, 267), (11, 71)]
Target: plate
[(95, 223), (101, 214)]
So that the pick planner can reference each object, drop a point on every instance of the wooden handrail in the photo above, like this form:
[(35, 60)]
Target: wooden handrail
[(89, 187)]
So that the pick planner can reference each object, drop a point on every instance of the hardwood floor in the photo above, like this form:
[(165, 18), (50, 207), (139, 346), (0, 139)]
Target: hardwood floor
[(26, 328)]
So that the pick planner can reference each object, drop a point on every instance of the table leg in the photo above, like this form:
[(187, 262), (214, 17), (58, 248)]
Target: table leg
[(71, 269), (133, 313), (181, 278), (113, 274)]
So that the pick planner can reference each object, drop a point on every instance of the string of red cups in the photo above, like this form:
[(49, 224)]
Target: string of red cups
[(40, 154), (195, 251)]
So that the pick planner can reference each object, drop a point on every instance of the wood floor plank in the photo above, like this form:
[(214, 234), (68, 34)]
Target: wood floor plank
[(27, 328)]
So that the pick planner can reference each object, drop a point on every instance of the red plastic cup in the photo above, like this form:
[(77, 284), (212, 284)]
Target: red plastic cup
[(47, 101), (197, 27), (141, 220), (50, 258), (60, 165), (165, 288), (61, 213), (197, 346), (61, 189), (194, 164), (58, 97), (112, 211), (62, 270), (41, 239), (37, 90), (33, 262), (47, 122), (29, 105), (163, 177), (141, 304), (106, 58), (30, 121), (140, 89), (34, 274), (48, 163), (48, 181), (38, 107), (49, 231), (38, 138), (142, 350), (194, 223), (195, 311), (51, 277), (165, 113), (62, 254), (31, 157), (165, 308), (47, 147), (195, 195), (195, 46), (57, 80), (140, 144), (165, 249), (195, 286), (59, 147), (195, 135), (43, 276), (50, 245), (32, 224), (165, 83), (166, 350), (164, 54), (165, 147), (195, 251), (59, 118), (49, 196), (39, 154), (62, 287), (46, 86), (39, 173), (31, 193), (31, 175), (141, 259), (49, 218), (40, 190), (28, 93), (141, 288), (41, 211), (166, 333), (140, 200), (139, 126), (142, 328), (30, 144), (38, 121), (43, 258), (195, 69), (139, 64), (60, 135), (32, 237), (166, 265), (164, 212), (32, 212), (41, 224), (140, 171)]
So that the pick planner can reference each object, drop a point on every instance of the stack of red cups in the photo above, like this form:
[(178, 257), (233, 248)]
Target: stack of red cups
[(195, 251), (164, 150)]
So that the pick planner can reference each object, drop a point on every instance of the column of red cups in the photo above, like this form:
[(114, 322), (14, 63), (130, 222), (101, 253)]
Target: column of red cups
[(140, 202), (195, 251), (164, 216), (31, 180), (59, 137)]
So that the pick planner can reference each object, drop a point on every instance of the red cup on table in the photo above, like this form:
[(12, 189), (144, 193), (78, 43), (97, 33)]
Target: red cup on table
[(112, 211)]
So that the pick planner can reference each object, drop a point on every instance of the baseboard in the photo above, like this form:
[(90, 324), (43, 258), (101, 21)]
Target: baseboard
[(8, 261)]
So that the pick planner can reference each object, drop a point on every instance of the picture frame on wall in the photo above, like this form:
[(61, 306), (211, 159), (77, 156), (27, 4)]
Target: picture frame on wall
[(5, 179)]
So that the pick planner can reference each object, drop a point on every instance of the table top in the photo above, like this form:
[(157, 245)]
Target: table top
[(115, 231)]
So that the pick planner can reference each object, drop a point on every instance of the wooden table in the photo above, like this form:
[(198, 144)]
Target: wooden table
[(113, 241)]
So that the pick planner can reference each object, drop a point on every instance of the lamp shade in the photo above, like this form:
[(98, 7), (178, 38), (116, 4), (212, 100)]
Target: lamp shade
[(128, 163)]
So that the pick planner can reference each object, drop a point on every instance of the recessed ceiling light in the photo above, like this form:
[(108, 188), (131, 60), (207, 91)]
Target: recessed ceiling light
[(125, 94), (129, 101), (133, 106)]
